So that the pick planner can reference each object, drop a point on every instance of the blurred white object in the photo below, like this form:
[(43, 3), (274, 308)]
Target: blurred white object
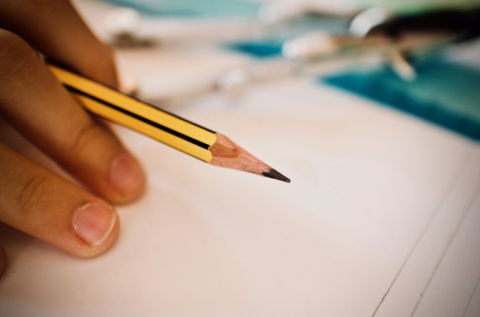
[(123, 20), (177, 85), (366, 20), (233, 82)]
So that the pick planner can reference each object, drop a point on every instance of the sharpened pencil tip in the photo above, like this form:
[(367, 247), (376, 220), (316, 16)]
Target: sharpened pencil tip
[(276, 175), (225, 153)]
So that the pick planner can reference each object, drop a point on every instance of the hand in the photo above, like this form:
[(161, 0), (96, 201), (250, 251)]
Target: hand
[(32, 198)]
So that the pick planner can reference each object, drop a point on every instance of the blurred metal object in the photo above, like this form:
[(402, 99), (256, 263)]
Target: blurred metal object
[(278, 12), (127, 28), (311, 45), (314, 48), (463, 24), (235, 82), (231, 82), (402, 67), (375, 30), (383, 38), (318, 45)]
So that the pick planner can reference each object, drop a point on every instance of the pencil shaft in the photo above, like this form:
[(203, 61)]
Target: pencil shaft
[(139, 116)]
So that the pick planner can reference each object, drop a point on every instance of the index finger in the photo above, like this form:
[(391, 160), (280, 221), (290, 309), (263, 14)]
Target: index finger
[(54, 28)]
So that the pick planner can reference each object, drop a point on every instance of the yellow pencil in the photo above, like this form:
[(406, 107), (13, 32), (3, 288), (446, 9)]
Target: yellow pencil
[(197, 141)]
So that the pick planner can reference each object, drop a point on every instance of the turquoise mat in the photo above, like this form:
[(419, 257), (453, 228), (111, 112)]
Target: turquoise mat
[(444, 93)]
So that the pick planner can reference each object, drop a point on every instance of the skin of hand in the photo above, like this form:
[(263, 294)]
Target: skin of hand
[(32, 198)]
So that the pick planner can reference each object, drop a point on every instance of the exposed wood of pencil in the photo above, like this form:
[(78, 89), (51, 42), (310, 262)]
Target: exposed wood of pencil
[(228, 154)]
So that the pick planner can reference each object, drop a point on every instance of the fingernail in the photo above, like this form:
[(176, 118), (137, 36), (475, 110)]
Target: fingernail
[(125, 174), (94, 222)]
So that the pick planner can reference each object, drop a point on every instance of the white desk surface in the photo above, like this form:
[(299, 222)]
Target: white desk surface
[(382, 218)]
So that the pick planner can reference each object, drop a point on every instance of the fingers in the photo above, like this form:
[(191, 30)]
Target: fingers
[(55, 29), (3, 260), (33, 101), (46, 206)]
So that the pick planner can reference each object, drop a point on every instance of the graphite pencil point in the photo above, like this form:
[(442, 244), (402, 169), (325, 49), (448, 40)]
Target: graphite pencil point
[(228, 154), (272, 173)]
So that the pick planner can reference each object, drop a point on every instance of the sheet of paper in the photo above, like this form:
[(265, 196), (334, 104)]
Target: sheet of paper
[(204, 241), (453, 284), (473, 308), (415, 276)]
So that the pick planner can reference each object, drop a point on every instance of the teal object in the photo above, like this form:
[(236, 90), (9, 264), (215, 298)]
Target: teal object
[(258, 49), (445, 93), (193, 8)]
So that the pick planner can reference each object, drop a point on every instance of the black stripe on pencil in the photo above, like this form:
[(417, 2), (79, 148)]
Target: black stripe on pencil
[(140, 118)]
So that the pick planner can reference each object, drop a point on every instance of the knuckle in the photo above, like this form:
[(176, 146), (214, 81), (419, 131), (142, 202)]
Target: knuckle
[(9, 43), (14, 54), (78, 142), (32, 196)]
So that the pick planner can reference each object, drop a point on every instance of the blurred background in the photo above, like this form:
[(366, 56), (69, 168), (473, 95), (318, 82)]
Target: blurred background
[(191, 49)]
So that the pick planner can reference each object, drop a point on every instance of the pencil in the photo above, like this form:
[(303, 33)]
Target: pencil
[(190, 138)]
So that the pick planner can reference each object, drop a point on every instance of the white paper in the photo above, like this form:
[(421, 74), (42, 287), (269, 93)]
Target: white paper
[(206, 241)]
